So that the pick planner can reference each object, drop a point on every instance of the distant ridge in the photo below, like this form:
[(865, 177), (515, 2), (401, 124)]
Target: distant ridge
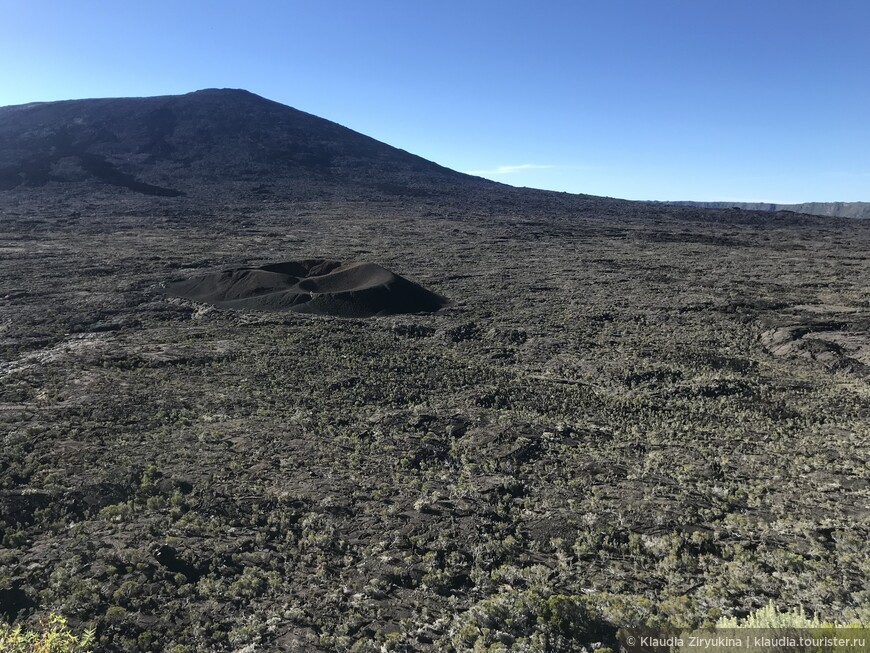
[(220, 145), (829, 209), (187, 144)]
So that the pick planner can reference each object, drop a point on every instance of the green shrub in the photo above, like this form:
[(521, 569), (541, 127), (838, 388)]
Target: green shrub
[(530, 621), (775, 631), (51, 635), (770, 617)]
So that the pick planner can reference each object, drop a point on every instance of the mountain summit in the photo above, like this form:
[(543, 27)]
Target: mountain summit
[(175, 145)]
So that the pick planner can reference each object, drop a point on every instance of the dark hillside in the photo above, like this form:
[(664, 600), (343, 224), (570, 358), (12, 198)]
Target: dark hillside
[(174, 145)]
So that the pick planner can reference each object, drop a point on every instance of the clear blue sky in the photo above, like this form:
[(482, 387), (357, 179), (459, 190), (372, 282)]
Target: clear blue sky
[(642, 99)]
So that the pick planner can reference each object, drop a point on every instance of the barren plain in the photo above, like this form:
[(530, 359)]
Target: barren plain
[(629, 415)]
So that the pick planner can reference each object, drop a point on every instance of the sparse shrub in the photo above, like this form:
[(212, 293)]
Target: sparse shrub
[(250, 584), (775, 630), (117, 512), (530, 621), (770, 617), (115, 614), (51, 635)]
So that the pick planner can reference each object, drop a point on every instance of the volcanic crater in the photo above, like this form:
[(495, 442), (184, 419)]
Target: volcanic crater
[(315, 286)]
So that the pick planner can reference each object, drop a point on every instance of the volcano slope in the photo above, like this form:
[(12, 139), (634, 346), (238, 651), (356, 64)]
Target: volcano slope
[(603, 424), (210, 144)]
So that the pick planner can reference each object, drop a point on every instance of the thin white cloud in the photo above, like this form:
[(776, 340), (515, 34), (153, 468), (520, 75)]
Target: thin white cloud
[(508, 170), (720, 198)]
